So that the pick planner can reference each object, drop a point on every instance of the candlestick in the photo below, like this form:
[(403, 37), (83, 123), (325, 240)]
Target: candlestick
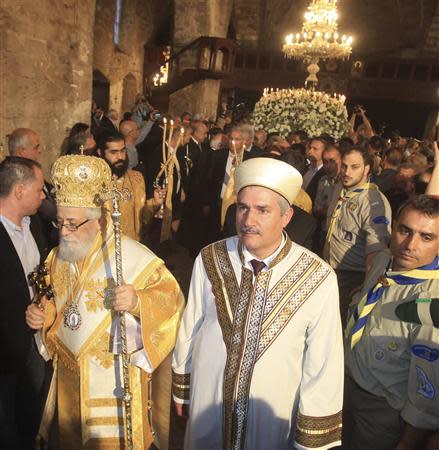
[(164, 140), (171, 131)]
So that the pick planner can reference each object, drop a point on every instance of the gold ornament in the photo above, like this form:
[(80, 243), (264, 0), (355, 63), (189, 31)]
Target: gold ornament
[(79, 180)]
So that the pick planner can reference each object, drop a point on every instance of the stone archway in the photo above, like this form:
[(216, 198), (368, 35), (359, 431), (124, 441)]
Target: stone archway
[(129, 91), (101, 89)]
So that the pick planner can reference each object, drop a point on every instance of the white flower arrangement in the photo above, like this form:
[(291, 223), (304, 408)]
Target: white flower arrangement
[(287, 110)]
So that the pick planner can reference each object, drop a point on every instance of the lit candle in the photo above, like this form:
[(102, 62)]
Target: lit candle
[(180, 137), (234, 148), (171, 131), (164, 140)]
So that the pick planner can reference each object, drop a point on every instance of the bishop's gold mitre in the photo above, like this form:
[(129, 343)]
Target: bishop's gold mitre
[(79, 180)]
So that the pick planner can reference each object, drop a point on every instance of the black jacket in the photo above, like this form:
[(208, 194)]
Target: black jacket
[(15, 335)]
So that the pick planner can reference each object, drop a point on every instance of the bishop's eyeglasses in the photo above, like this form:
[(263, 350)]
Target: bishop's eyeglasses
[(59, 224)]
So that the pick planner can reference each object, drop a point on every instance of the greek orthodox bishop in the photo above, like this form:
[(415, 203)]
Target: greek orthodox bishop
[(80, 329)]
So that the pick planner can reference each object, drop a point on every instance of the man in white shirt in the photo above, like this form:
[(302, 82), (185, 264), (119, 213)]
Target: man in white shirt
[(22, 246), (259, 357)]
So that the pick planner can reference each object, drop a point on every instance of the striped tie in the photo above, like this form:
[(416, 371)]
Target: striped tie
[(362, 311)]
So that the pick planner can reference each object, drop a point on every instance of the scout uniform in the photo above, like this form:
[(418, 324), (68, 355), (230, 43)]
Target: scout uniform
[(359, 223), (392, 356)]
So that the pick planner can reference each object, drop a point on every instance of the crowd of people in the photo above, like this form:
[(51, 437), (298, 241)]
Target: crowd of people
[(304, 249)]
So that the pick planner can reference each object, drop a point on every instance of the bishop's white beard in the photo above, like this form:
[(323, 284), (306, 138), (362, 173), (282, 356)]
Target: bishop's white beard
[(72, 250)]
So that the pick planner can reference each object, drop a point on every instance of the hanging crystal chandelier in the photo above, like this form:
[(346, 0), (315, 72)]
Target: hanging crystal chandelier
[(319, 39)]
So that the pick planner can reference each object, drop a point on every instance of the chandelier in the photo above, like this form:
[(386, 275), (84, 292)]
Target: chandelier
[(319, 39)]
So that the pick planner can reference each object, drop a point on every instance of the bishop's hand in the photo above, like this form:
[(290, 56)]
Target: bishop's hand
[(125, 298)]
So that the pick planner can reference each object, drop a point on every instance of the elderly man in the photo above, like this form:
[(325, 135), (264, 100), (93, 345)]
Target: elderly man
[(248, 133), (80, 328), (392, 340), (22, 248), (259, 358), (25, 143)]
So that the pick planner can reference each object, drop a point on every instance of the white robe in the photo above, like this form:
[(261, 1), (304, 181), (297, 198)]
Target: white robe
[(294, 336)]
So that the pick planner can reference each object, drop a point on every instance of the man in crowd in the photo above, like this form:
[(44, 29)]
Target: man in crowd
[(100, 123), (217, 193), (80, 328), (136, 211), (389, 164), (25, 142), (315, 170), (297, 137), (358, 224), (404, 186), (189, 154), (248, 134), (325, 189), (258, 301), (260, 139), (23, 247), (130, 131), (392, 340)]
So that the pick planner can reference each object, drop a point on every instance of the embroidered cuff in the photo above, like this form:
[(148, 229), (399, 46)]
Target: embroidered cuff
[(180, 386), (318, 432), (136, 310)]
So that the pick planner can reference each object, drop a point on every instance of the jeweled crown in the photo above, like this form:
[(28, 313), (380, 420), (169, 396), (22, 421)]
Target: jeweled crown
[(79, 180)]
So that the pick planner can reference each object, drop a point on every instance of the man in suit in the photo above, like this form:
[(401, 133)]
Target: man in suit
[(189, 155), (100, 123), (218, 176), (25, 143), (248, 134), (23, 247), (315, 170)]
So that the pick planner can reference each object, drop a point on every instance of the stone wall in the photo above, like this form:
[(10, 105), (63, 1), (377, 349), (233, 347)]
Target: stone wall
[(125, 61), (45, 68)]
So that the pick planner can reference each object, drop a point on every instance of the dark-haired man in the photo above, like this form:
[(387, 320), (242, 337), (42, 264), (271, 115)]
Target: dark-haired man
[(392, 340), (137, 210), (315, 170), (390, 163), (358, 224), (23, 247)]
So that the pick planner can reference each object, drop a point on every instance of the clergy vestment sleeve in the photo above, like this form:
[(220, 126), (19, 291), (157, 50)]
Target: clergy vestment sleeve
[(321, 388), (193, 317), (161, 304)]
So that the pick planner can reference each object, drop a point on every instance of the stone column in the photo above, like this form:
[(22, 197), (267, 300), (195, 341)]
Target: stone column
[(192, 19), (45, 68)]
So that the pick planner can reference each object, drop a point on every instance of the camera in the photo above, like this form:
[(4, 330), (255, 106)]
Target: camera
[(156, 115), (357, 109)]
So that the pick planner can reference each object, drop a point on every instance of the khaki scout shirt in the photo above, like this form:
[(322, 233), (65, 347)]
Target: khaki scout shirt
[(398, 360), (363, 227)]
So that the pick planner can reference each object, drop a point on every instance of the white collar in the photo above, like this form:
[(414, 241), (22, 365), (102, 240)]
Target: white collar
[(248, 256)]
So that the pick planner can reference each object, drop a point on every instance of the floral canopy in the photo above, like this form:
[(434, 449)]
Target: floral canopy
[(287, 110)]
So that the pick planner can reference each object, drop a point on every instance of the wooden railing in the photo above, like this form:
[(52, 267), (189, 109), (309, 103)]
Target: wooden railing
[(203, 58)]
